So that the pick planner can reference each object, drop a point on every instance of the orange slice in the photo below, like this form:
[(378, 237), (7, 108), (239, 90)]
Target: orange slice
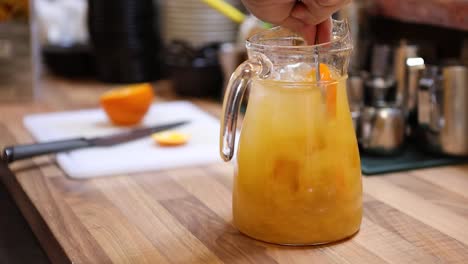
[(127, 105), (325, 75), (170, 138)]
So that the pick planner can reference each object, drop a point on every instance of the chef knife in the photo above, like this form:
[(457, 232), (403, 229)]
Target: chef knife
[(19, 152)]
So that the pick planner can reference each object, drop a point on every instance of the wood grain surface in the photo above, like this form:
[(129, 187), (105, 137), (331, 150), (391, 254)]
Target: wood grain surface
[(184, 215)]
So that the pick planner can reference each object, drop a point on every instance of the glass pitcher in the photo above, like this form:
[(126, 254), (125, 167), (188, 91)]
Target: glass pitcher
[(297, 174)]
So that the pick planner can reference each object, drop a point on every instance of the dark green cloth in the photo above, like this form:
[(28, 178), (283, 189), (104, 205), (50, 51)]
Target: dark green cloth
[(409, 159)]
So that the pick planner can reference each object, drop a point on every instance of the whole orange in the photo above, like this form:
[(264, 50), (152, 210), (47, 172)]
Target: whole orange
[(127, 105)]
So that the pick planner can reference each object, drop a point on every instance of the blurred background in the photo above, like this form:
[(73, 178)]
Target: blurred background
[(408, 76), (201, 40), (408, 55)]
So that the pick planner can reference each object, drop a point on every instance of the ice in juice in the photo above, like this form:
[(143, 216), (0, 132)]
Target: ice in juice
[(298, 177)]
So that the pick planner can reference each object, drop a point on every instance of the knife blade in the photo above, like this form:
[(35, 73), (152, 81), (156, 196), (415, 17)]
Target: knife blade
[(18, 152)]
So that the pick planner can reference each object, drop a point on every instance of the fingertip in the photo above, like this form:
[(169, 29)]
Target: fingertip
[(324, 31), (309, 33)]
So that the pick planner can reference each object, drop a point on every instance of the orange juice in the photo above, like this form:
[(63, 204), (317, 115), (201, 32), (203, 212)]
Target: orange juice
[(298, 175)]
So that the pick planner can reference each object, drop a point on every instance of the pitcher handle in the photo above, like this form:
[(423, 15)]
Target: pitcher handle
[(235, 91)]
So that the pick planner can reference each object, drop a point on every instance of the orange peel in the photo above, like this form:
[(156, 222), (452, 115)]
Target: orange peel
[(326, 75), (127, 105)]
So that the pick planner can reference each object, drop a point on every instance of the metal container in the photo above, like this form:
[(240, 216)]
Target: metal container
[(358, 13), (430, 95), (402, 53), (381, 61), (414, 69), (355, 85), (454, 134), (379, 91), (382, 130), (443, 110)]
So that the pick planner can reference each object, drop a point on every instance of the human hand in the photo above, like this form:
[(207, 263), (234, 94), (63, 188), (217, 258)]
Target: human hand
[(310, 18)]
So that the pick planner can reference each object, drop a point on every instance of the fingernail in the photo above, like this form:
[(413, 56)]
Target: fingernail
[(299, 11)]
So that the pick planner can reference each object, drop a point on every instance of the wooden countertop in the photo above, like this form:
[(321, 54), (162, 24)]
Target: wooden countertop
[(184, 215)]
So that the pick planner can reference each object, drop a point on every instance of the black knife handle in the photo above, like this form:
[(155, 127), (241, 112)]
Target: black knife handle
[(19, 152)]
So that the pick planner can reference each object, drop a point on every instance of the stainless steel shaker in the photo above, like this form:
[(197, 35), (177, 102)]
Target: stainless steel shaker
[(430, 103), (381, 61), (382, 130), (402, 53), (414, 68), (380, 90), (443, 109), (380, 84), (358, 14), (408, 76), (454, 134)]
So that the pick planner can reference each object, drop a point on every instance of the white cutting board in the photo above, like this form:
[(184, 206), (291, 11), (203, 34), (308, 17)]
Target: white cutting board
[(135, 156)]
